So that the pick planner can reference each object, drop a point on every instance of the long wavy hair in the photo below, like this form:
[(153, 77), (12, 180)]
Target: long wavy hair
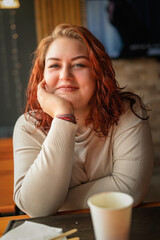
[(107, 103)]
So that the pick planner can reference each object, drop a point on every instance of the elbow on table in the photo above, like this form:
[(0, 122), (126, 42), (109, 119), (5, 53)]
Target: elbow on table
[(35, 209), (139, 195)]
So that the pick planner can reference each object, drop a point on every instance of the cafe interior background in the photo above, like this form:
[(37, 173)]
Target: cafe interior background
[(129, 29)]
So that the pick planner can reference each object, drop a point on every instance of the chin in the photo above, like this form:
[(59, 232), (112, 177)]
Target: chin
[(66, 97)]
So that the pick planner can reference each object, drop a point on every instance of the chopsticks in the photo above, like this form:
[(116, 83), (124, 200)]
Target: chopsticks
[(75, 238), (66, 234)]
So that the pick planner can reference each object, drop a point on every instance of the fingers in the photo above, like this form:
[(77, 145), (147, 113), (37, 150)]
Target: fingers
[(42, 84), (41, 91), (52, 104)]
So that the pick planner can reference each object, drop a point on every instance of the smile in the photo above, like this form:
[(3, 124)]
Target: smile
[(67, 88)]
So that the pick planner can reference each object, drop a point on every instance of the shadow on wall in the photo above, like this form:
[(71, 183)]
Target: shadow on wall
[(17, 43)]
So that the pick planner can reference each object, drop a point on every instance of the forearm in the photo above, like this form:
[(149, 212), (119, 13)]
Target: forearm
[(41, 185), (77, 197), (131, 171)]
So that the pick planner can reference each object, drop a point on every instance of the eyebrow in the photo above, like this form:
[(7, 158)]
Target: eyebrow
[(75, 58)]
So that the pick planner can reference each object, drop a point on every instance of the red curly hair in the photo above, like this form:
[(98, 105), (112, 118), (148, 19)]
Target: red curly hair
[(107, 103)]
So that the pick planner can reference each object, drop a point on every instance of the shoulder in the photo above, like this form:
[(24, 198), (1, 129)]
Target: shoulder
[(138, 111), (131, 118), (25, 121), (133, 103), (25, 131)]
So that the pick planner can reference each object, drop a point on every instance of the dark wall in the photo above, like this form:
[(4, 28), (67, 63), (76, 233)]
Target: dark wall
[(17, 43)]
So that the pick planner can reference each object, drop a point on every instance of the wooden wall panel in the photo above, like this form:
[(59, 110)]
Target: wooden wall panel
[(6, 176), (49, 13)]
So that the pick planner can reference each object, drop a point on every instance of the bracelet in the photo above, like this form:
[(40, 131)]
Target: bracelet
[(67, 117)]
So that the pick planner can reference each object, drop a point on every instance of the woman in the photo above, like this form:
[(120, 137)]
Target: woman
[(80, 134)]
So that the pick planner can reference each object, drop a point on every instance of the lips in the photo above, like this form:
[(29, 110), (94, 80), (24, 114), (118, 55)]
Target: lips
[(67, 88)]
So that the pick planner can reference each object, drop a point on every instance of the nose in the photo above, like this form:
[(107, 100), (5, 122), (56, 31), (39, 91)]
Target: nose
[(65, 73)]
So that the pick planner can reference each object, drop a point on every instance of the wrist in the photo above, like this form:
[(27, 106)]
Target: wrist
[(67, 117), (65, 108)]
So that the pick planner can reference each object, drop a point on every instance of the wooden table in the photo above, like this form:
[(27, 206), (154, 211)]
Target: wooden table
[(81, 219), (4, 221)]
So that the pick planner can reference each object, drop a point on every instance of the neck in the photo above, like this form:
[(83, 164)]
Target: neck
[(81, 117)]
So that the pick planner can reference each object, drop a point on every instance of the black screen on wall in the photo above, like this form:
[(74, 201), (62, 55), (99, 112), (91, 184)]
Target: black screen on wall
[(138, 23), (127, 28)]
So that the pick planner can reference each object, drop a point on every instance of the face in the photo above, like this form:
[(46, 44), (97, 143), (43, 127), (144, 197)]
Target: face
[(68, 73)]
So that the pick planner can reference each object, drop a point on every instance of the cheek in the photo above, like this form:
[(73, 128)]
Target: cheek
[(88, 89), (91, 90), (91, 85), (50, 80)]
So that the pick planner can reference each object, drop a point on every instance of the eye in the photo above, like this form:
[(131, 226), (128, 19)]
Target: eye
[(78, 65), (54, 66)]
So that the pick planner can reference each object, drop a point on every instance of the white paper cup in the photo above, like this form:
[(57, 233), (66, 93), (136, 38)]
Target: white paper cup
[(111, 215)]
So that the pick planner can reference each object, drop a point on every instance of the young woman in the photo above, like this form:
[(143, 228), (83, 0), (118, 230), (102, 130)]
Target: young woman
[(81, 134)]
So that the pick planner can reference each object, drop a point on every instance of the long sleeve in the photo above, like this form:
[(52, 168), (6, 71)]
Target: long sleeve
[(43, 166), (131, 164), (60, 171)]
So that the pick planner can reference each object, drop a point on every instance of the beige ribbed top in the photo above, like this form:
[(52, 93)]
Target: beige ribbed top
[(62, 169)]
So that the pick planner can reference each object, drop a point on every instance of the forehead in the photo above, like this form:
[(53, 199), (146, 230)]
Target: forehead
[(65, 47)]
